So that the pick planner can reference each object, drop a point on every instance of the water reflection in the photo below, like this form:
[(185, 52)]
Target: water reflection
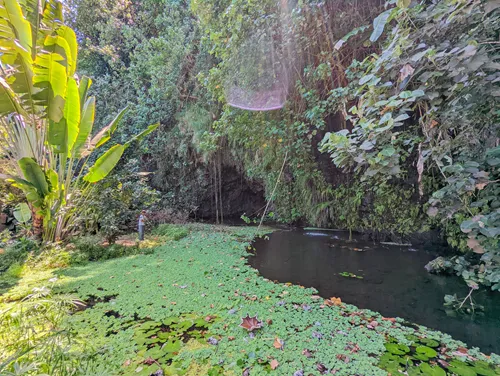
[(394, 281)]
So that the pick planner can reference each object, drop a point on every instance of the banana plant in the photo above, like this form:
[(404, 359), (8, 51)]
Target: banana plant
[(47, 118)]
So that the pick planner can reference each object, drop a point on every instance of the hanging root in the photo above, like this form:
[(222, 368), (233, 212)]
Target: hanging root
[(274, 190)]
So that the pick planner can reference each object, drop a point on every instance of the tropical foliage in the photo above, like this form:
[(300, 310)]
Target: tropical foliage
[(428, 102), (180, 309), (47, 116)]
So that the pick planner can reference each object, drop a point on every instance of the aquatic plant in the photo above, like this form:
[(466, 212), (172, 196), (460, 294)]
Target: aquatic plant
[(205, 275), (427, 356)]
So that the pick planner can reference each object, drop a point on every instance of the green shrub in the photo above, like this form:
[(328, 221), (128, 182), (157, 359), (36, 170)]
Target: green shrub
[(91, 248), (16, 252), (14, 270), (171, 232), (51, 257)]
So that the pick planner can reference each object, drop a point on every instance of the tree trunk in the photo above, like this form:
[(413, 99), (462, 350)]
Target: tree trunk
[(37, 225)]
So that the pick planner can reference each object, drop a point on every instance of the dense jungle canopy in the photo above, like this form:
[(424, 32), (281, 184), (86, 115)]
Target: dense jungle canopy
[(376, 117)]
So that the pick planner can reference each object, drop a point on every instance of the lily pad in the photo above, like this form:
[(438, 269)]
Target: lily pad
[(425, 353), (429, 342), (460, 368), (397, 348), (426, 369)]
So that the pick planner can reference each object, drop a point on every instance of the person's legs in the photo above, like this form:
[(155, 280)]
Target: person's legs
[(141, 232)]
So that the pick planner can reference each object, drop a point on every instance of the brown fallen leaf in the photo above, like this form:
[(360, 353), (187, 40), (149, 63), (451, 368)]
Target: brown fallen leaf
[(481, 186), (231, 338), (250, 323), (406, 71), (127, 363), (149, 361), (343, 357), (278, 343), (274, 364), (443, 363), (321, 368), (333, 302), (306, 353), (475, 246)]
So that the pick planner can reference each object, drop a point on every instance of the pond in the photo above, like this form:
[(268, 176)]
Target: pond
[(384, 278)]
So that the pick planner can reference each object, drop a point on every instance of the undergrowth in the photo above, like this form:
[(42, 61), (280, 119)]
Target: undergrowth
[(205, 275), (179, 309)]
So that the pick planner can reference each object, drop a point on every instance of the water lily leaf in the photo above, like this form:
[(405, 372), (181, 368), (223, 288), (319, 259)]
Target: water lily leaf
[(172, 346), (397, 348), (484, 369), (426, 369), (460, 368), (429, 342), (425, 351)]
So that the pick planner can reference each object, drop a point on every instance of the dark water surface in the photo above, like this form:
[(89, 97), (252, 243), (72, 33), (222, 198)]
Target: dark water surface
[(394, 281)]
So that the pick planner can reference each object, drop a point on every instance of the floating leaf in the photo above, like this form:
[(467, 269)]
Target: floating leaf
[(250, 323), (274, 364), (278, 343)]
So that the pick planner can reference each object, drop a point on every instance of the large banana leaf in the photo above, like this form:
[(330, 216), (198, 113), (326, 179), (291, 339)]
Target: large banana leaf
[(8, 102), (57, 44), (52, 14), (86, 124), (105, 164), (50, 75), (83, 88), (72, 112), (22, 213), (70, 37), (34, 175), (63, 134), (11, 13), (105, 134), (143, 134), (16, 46)]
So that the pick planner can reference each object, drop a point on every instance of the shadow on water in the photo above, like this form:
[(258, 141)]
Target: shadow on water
[(394, 281)]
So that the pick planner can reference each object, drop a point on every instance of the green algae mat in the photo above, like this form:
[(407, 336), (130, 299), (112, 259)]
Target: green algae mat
[(194, 307)]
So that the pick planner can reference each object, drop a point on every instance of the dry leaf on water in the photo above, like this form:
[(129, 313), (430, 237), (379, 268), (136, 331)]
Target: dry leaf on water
[(333, 301), (250, 323), (274, 364), (278, 343), (307, 353)]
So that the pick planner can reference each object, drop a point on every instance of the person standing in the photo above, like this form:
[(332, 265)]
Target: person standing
[(142, 224)]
